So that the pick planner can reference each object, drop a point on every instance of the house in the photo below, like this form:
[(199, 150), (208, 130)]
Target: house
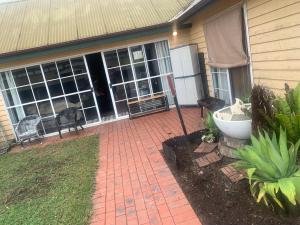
[(101, 54)]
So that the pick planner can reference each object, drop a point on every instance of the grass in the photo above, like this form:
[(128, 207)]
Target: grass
[(49, 186)]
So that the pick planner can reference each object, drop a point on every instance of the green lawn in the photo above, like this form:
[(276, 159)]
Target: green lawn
[(49, 186)]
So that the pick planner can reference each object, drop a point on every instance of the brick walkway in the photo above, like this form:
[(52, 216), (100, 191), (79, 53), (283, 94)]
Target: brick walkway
[(134, 184)]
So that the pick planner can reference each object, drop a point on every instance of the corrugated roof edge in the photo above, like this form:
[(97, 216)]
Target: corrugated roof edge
[(105, 36), (190, 10), (84, 43)]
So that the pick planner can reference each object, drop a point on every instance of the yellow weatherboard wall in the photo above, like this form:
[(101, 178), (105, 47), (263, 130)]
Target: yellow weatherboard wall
[(274, 31)]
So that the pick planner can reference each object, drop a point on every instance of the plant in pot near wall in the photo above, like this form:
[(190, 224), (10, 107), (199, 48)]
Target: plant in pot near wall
[(273, 171), (212, 134)]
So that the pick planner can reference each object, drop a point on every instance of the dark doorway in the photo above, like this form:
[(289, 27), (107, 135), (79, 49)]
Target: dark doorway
[(100, 84)]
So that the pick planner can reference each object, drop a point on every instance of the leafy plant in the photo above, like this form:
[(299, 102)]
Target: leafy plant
[(262, 110), (271, 113), (287, 113), (246, 99), (213, 132), (272, 170)]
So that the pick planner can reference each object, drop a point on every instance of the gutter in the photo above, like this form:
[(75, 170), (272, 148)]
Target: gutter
[(193, 8)]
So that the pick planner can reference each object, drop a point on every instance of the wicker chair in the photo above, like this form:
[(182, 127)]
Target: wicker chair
[(27, 128), (69, 118)]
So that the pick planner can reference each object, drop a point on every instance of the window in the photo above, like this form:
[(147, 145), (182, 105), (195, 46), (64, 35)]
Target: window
[(221, 82), (46, 90), (137, 72)]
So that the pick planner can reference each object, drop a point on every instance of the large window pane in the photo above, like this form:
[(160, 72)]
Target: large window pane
[(55, 88), (127, 73), (165, 65), (40, 91), (153, 68), (91, 115), (156, 85), (119, 92), (59, 104), (122, 108), (73, 101), (16, 114), (30, 109), (137, 54), (64, 68), (143, 87), (50, 71), (78, 65), (111, 59), (25, 94), (140, 70), (20, 77), (131, 90), (6, 80), (49, 125), (220, 81), (69, 85), (83, 82), (11, 97), (150, 51), (224, 95), (124, 56), (87, 99), (45, 108), (162, 49), (115, 75), (35, 74)]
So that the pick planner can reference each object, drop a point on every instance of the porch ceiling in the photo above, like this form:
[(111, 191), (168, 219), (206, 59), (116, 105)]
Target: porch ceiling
[(29, 24)]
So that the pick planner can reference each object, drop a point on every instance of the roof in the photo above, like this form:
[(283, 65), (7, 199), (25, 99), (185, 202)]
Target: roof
[(30, 24)]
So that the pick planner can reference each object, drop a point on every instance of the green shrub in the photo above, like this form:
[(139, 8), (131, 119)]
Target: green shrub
[(287, 113), (271, 113), (212, 133), (272, 170)]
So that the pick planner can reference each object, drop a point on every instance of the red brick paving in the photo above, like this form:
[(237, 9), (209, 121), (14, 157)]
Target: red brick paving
[(208, 159), (134, 184), (206, 147), (233, 174)]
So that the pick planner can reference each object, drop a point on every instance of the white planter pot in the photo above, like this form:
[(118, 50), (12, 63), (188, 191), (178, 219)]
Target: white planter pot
[(235, 129)]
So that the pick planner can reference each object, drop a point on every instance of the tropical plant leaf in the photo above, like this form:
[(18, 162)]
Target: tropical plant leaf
[(272, 169), (282, 106), (272, 189), (286, 122), (296, 182), (288, 188), (296, 98)]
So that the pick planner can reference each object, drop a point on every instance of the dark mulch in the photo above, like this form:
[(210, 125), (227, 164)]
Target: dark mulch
[(214, 198)]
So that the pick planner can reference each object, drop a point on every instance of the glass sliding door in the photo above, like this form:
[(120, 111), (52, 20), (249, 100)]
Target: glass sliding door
[(47, 89), (137, 72)]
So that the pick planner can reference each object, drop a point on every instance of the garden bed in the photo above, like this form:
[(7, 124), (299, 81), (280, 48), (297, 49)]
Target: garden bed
[(214, 198)]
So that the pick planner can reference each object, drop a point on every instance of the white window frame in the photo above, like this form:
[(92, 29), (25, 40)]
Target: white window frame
[(135, 80), (50, 98), (219, 72)]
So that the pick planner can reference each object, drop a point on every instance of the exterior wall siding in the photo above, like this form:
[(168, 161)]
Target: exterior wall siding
[(274, 32)]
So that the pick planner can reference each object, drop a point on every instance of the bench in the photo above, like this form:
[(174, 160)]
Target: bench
[(211, 103), (148, 105)]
